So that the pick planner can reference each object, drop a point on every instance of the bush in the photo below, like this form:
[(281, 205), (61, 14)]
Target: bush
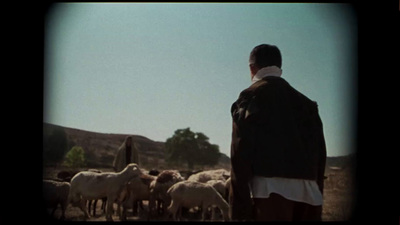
[(75, 157)]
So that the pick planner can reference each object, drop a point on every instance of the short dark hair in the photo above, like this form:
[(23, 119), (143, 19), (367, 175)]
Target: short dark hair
[(266, 55)]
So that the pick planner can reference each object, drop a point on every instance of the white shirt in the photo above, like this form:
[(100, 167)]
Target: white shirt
[(299, 190)]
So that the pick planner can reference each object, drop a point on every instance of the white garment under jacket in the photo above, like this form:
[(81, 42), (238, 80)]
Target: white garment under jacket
[(299, 190)]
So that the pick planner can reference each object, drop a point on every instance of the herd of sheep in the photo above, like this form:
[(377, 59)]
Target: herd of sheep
[(168, 193)]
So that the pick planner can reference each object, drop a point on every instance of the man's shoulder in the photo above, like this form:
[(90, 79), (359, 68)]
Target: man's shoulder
[(279, 86), (270, 85), (302, 97), (265, 86), (261, 85)]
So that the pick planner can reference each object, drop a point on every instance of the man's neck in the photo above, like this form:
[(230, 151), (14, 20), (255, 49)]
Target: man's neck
[(266, 71)]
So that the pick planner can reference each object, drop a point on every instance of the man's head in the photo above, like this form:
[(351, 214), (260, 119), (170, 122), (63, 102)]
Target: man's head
[(264, 55)]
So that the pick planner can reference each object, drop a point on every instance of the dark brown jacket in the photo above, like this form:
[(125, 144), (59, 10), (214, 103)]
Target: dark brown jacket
[(277, 132)]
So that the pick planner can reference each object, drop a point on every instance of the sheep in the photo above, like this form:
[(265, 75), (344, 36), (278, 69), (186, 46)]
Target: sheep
[(159, 187), (154, 172), (191, 194), (212, 176), (227, 188), (187, 173), (219, 185), (88, 185), (55, 193), (138, 190), (66, 175), (94, 202), (203, 177), (222, 188), (154, 198)]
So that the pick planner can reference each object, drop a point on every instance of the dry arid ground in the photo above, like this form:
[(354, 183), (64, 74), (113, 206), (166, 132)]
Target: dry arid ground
[(339, 200), (339, 195)]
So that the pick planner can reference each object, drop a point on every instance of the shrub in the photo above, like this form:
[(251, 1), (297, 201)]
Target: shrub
[(75, 157)]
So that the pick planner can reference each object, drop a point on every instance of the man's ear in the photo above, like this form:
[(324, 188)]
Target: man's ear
[(253, 69)]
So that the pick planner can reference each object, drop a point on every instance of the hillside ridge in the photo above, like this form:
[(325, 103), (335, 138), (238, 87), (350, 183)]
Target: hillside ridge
[(101, 148)]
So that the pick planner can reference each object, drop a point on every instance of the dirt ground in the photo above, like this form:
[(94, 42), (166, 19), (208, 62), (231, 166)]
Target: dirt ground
[(75, 214), (338, 204)]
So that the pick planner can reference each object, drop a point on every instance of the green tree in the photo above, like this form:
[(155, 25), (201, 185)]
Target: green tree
[(208, 154), (192, 148), (75, 157)]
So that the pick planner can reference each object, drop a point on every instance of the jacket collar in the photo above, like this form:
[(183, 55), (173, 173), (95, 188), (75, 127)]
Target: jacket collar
[(267, 71)]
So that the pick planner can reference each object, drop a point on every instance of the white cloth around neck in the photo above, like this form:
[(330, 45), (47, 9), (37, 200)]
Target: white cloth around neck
[(267, 71)]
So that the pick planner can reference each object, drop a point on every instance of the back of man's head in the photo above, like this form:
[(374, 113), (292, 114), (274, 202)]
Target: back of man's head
[(265, 55)]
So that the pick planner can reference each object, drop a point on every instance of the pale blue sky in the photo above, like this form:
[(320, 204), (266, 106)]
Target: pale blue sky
[(152, 68)]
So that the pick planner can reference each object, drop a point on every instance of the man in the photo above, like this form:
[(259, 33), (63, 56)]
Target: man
[(278, 151), (127, 153)]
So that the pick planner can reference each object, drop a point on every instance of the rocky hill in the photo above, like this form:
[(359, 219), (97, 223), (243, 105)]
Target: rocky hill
[(100, 148)]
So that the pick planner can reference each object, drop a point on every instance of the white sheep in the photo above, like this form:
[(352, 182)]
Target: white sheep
[(88, 185), (55, 193), (219, 185), (160, 186), (227, 188), (222, 187), (191, 194), (93, 203), (138, 189), (204, 176)]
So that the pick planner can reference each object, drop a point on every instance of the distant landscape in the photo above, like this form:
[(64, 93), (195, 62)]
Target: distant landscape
[(100, 149)]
